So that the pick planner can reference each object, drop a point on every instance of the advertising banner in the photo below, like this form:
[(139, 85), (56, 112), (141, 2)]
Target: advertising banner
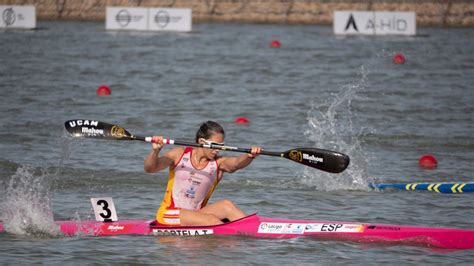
[(171, 19), (126, 18), (18, 17), (149, 19), (374, 23)]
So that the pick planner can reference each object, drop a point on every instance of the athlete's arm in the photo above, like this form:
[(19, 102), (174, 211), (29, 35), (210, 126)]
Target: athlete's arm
[(155, 163), (232, 164)]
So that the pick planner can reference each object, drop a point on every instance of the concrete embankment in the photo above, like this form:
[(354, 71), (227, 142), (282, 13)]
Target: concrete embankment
[(456, 13)]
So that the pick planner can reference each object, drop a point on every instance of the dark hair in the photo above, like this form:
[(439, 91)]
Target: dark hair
[(207, 129)]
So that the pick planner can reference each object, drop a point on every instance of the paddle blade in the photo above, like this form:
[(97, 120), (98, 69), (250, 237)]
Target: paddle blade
[(325, 160), (95, 129)]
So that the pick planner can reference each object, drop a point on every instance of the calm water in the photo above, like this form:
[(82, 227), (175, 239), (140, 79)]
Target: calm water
[(317, 90)]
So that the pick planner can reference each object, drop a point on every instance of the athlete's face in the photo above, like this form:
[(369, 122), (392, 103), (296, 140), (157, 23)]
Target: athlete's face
[(214, 139)]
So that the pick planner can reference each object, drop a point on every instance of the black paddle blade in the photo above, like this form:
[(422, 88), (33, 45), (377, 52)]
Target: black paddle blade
[(96, 129), (329, 161)]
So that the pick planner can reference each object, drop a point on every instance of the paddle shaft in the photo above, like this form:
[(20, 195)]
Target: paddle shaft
[(210, 146)]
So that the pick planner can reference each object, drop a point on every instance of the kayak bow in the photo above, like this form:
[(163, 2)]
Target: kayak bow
[(262, 227)]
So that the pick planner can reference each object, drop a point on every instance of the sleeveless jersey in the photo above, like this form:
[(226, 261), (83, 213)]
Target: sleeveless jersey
[(188, 188)]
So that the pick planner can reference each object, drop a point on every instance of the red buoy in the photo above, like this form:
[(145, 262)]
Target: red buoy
[(241, 120), (398, 59), (428, 161), (275, 44), (103, 90)]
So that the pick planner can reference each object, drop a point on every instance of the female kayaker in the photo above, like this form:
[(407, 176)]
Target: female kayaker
[(193, 175)]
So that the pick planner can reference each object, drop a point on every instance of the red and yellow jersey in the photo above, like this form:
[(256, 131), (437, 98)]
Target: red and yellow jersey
[(188, 188)]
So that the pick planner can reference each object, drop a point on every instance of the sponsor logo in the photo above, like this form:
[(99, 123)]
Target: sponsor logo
[(123, 18), (270, 228), (180, 232), (310, 227), (274, 227), (195, 178), (352, 226), (281, 228), (92, 131), (117, 132), (9, 16), (83, 123), (296, 155), (190, 193), (162, 19), (384, 227), (351, 23), (297, 228), (383, 23), (390, 24), (115, 227), (312, 158), (334, 228)]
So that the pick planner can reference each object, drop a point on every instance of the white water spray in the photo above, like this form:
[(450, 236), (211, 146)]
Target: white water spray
[(27, 206), (333, 128)]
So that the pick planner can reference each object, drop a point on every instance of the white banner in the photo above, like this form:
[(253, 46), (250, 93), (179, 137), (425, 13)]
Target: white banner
[(126, 18), (374, 23), (148, 19), (170, 19), (18, 17)]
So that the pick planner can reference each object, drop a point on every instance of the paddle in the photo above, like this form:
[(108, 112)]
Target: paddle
[(325, 160)]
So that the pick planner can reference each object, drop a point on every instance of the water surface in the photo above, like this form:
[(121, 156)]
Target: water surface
[(317, 90)]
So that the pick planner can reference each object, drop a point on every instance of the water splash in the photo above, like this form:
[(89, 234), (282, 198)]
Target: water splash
[(27, 206), (335, 128)]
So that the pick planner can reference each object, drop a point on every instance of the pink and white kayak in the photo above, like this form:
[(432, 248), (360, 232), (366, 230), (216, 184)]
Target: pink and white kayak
[(262, 227)]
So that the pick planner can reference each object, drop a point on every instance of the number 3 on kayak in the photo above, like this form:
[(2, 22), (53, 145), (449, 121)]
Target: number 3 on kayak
[(104, 209)]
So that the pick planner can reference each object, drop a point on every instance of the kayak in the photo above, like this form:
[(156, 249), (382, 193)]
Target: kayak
[(262, 227), (447, 188)]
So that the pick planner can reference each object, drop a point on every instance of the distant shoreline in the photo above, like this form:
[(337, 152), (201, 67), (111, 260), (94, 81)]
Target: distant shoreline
[(438, 13)]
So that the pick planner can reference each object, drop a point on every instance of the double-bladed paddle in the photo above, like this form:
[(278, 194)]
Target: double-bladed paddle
[(325, 160)]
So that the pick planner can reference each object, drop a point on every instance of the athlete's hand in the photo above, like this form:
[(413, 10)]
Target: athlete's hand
[(254, 152), (157, 142)]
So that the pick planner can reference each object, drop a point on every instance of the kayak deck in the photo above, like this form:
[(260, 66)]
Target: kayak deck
[(262, 227)]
